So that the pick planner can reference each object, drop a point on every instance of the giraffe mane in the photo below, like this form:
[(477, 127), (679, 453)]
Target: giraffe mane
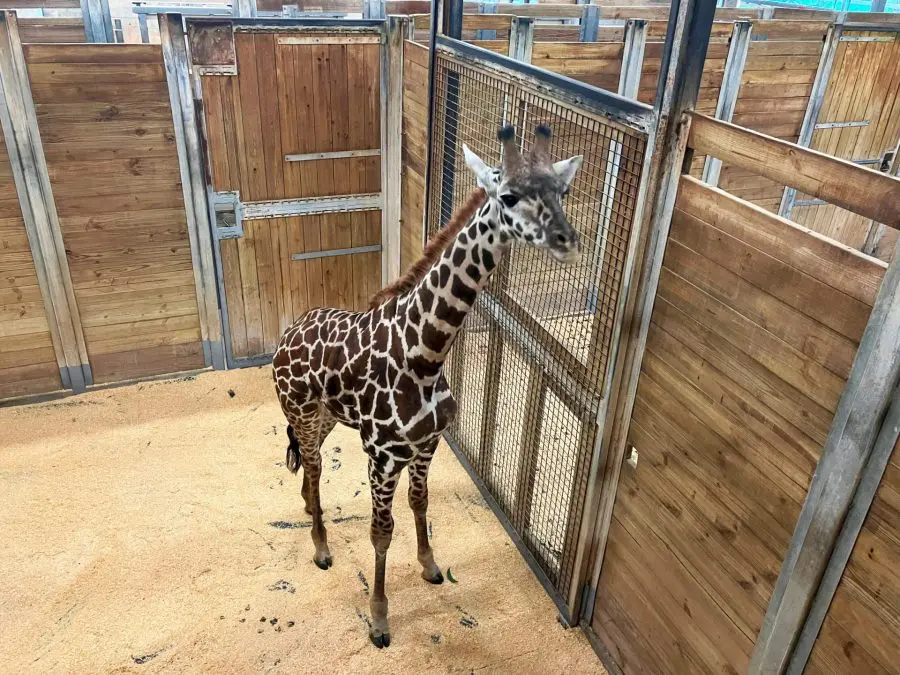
[(432, 251)]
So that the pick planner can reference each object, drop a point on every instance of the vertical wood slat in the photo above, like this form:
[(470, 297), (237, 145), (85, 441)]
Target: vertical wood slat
[(392, 147), (32, 180), (728, 92), (193, 185), (857, 423)]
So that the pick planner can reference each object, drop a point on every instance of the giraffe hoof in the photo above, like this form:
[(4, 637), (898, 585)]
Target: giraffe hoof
[(437, 578), (323, 564), (379, 639)]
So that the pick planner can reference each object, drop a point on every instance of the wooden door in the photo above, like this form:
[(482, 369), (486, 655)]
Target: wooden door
[(859, 121), (294, 125)]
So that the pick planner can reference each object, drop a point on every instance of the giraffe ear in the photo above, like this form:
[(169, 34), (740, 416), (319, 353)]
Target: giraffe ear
[(484, 174), (567, 168)]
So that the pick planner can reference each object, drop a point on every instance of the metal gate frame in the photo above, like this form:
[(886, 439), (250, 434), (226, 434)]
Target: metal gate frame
[(196, 46), (667, 127), (618, 111)]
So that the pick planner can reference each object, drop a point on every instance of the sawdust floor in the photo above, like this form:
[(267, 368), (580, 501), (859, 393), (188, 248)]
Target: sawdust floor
[(151, 528)]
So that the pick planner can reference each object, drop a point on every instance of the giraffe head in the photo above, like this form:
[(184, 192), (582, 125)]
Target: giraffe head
[(528, 191)]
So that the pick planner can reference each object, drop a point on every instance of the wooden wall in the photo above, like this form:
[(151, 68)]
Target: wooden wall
[(596, 63), (52, 30), (861, 632), (27, 359), (754, 330), (106, 126), (415, 121)]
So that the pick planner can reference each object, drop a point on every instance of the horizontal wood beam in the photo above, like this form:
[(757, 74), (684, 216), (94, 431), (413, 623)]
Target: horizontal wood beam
[(851, 186)]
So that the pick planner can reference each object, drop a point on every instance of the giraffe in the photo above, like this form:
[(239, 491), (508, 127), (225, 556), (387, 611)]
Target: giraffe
[(380, 371)]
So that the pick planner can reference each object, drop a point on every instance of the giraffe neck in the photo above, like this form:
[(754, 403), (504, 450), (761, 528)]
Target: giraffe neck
[(434, 311)]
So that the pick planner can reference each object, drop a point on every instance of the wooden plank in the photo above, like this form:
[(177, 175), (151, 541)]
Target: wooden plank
[(92, 53), (145, 362), (88, 73), (850, 272), (851, 186)]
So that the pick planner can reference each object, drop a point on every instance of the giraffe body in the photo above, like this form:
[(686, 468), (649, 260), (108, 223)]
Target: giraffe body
[(379, 371)]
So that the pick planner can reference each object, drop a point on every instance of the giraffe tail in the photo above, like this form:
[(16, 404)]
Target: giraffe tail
[(292, 458)]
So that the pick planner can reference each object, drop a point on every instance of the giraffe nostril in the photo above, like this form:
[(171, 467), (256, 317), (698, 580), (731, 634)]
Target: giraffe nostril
[(562, 239)]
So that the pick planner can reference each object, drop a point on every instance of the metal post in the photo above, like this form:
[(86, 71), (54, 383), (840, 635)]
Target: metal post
[(244, 8), (193, 184), (521, 39), (879, 5), (451, 25), (32, 180), (590, 23), (633, 58), (816, 98), (373, 9), (430, 172), (484, 33), (145, 32), (392, 146), (728, 92), (684, 54), (97, 21), (852, 442)]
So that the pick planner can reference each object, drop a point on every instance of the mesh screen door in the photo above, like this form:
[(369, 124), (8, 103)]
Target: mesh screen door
[(530, 369)]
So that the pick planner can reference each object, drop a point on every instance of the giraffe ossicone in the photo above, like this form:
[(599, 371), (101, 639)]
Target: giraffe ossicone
[(380, 371)]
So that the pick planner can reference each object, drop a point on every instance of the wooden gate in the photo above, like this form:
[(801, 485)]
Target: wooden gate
[(292, 119), (859, 121)]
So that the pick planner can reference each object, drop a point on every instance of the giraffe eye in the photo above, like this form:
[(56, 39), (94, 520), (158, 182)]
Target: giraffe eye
[(509, 200)]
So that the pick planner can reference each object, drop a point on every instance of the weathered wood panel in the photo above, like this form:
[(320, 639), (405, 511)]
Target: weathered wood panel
[(27, 359), (52, 29), (861, 632), (294, 99), (864, 87), (116, 182), (752, 338), (415, 125)]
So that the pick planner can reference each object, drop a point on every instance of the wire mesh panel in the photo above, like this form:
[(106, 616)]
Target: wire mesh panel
[(530, 369)]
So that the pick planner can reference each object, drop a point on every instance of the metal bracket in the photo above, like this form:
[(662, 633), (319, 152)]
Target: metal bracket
[(286, 208), (842, 125), (228, 212)]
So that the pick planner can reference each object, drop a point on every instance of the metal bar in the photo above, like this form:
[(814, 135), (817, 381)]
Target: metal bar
[(687, 40), (430, 170), (244, 8), (876, 230), (193, 183), (329, 40), (633, 114), (853, 524), (878, 5), (867, 39), (95, 29), (286, 208), (855, 430), (871, 27), (809, 202), (842, 125), (32, 181), (590, 24), (816, 98), (452, 25), (728, 92), (337, 154), (373, 9), (145, 31), (535, 566), (106, 18), (392, 143), (330, 253), (521, 39), (484, 33), (633, 58)]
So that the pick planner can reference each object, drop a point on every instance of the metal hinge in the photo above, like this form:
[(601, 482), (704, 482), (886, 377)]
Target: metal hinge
[(842, 125)]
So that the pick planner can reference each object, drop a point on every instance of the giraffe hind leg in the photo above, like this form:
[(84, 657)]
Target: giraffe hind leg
[(310, 431)]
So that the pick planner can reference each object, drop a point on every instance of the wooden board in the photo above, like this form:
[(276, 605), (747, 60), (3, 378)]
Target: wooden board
[(294, 98), (27, 359), (115, 176), (736, 396)]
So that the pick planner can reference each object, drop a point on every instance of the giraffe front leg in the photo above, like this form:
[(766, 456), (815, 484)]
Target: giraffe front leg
[(383, 484), (418, 502)]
